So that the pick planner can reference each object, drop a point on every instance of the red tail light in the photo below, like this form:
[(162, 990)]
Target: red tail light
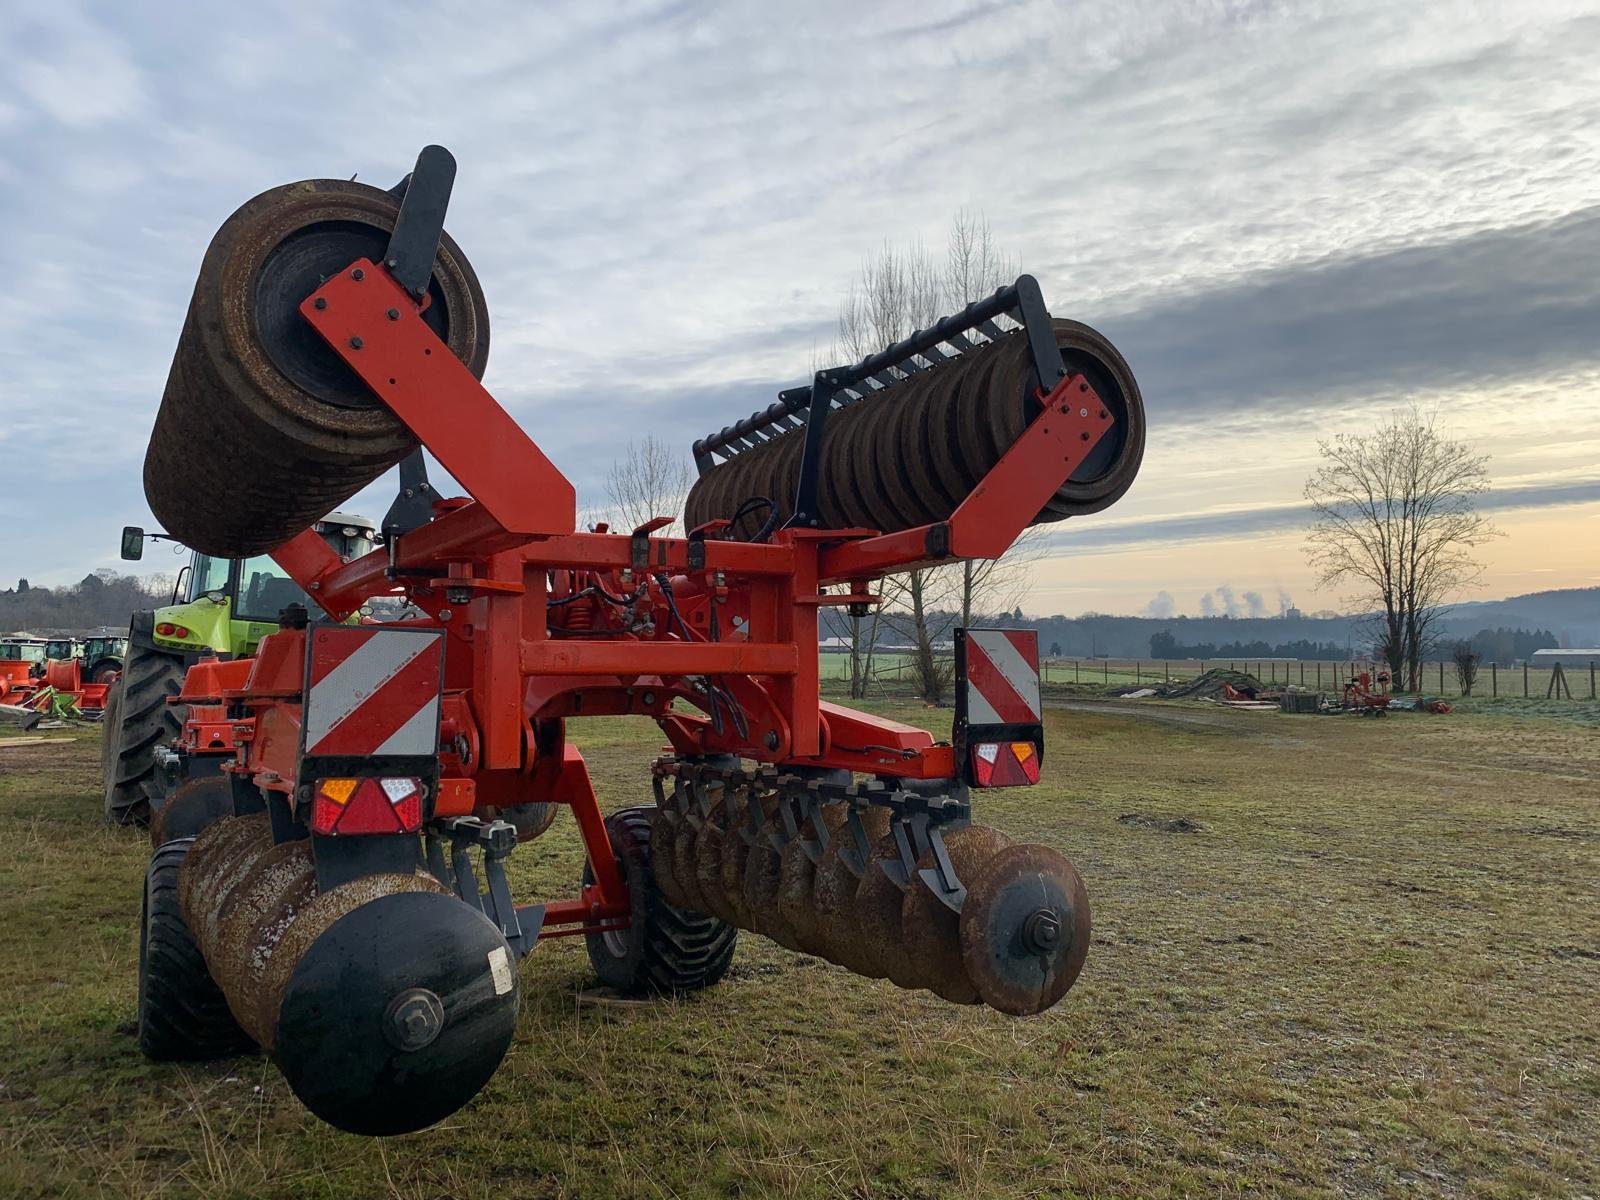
[(168, 629), (355, 806), (1005, 764)]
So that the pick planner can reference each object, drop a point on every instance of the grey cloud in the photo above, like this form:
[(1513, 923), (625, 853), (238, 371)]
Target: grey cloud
[(1274, 518), (1497, 305)]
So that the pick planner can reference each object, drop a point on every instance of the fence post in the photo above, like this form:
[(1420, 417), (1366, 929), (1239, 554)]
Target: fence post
[(1106, 663), (1524, 679), (1591, 679), (1319, 675), (1136, 672), (1074, 670), (1166, 670), (1494, 679)]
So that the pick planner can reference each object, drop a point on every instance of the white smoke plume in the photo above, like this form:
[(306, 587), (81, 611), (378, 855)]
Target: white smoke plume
[(1162, 605)]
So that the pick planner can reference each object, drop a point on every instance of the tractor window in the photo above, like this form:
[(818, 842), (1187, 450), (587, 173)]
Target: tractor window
[(264, 590), (208, 575)]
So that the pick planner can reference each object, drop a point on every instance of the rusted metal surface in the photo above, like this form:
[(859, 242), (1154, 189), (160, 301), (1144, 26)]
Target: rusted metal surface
[(256, 410), (910, 454), (931, 928), (254, 909), (1025, 929)]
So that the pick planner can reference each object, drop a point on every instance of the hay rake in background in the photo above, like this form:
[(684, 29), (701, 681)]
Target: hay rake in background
[(341, 899)]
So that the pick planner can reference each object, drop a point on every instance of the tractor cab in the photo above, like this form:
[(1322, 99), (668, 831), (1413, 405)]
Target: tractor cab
[(230, 604), (61, 649), (23, 647)]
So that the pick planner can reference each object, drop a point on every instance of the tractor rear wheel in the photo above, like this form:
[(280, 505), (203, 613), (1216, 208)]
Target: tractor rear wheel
[(665, 949), (182, 1014), (138, 719)]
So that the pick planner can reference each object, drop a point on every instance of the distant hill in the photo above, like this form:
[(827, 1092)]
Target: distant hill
[(1573, 612)]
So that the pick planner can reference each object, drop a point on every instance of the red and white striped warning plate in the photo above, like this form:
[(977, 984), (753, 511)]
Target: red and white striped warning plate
[(373, 690), (1003, 677)]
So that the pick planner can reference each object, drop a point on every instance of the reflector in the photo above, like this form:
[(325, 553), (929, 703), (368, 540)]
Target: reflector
[(355, 806), (1018, 767)]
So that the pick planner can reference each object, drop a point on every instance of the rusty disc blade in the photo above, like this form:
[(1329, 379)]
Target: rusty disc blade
[(877, 921), (931, 928), (708, 866), (1025, 929), (685, 858), (797, 904), (833, 894), (664, 827), (762, 875)]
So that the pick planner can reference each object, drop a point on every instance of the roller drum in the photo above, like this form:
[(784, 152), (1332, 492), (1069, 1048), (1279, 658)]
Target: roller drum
[(910, 454), (386, 1002), (263, 429)]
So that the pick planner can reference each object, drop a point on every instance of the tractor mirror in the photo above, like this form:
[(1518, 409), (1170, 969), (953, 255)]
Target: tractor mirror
[(132, 543)]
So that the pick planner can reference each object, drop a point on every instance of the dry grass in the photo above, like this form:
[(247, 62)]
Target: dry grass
[(1373, 970)]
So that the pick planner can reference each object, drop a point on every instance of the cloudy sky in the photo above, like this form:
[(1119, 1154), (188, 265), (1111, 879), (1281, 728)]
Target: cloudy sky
[(1290, 217)]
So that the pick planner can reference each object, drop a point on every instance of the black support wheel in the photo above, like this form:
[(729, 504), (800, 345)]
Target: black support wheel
[(182, 1014), (665, 949), (138, 719)]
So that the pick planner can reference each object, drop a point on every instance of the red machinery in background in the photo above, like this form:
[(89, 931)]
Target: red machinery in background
[(364, 775)]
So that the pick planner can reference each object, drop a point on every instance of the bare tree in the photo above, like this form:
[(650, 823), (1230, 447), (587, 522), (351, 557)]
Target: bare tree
[(1466, 659), (651, 480), (1396, 520), (899, 290)]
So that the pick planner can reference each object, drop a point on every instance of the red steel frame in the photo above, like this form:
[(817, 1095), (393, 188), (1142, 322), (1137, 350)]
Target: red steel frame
[(507, 575)]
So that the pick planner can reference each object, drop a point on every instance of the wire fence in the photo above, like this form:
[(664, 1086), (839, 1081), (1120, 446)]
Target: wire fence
[(896, 671)]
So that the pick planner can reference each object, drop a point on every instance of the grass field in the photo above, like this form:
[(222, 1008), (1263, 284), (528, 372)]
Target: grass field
[(1373, 970)]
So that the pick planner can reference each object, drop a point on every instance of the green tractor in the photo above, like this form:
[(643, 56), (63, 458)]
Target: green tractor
[(102, 656), (220, 606)]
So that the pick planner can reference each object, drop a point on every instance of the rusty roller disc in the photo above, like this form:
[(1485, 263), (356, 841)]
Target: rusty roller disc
[(1025, 929), (664, 827), (214, 866), (277, 886), (797, 904), (1109, 471), (910, 454), (872, 478), (902, 479), (262, 428), (195, 805), (833, 896), (877, 918), (931, 928)]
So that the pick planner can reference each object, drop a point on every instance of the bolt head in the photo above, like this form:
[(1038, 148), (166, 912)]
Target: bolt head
[(393, 314), (356, 343), (320, 303), (358, 274), (1083, 412)]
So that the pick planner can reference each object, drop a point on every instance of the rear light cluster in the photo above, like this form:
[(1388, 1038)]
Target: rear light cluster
[(168, 629), (1005, 764), (370, 805)]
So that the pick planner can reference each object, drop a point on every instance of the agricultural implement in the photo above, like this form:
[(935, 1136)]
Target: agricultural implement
[(346, 906)]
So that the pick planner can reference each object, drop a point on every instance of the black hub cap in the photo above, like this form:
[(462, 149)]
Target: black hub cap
[(298, 266), (398, 1014)]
